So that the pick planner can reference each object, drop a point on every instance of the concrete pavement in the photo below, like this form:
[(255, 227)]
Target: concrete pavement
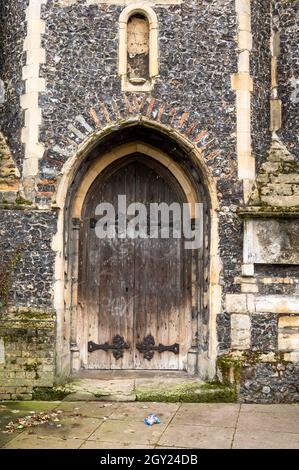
[(99, 425)]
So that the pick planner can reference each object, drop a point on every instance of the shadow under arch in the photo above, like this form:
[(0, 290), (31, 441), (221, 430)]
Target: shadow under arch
[(187, 165)]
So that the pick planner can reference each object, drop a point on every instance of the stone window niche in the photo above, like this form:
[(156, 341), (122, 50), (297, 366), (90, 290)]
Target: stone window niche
[(138, 48)]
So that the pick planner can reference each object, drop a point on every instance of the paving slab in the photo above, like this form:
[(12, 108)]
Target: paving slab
[(88, 409), (201, 414), (138, 411), (112, 445), (282, 408), (12, 410), (26, 406), (265, 440), (69, 427), (132, 432), (197, 437), (282, 419), (107, 425), (169, 447), (29, 441)]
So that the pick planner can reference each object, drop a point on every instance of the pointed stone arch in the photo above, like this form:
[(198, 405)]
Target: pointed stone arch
[(186, 163)]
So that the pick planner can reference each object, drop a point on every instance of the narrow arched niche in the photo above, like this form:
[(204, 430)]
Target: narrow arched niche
[(138, 48)]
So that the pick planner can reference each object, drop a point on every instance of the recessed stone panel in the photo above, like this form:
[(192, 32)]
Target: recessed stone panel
[(271, 241)]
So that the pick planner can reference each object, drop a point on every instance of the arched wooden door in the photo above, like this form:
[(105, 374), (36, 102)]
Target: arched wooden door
[(135, 293)]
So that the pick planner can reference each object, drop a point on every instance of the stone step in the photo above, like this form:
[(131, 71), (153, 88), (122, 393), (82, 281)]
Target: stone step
[(185, 389)]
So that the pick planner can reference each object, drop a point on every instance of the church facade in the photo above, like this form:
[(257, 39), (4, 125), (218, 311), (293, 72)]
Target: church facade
[(173, 101)]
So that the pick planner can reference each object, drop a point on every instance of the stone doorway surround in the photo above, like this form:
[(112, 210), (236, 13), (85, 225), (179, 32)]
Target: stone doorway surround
[(201, 360)]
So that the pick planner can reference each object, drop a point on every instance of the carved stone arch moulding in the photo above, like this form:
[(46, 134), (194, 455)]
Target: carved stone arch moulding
[(153, 50), (103, 117), (65, 276)]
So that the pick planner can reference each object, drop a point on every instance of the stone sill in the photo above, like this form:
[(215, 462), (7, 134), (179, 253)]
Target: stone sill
[(256, 212)]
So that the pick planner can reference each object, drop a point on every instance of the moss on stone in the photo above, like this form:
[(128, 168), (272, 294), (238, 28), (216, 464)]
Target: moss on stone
[(20, 201), (230, 368), (192, 392), (32, 315), (57, 392), (25, 406), (50, 393)]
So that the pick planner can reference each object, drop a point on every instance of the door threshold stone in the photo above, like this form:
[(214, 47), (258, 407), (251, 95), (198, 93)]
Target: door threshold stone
[(143, 387)]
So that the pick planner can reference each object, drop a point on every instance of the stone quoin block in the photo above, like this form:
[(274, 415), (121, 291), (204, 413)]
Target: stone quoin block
[(236, 303)]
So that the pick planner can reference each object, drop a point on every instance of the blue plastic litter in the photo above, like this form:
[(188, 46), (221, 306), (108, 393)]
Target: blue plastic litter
[(152, 419)]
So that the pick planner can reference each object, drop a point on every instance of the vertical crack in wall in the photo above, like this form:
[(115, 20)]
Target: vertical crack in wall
[(35, 56)]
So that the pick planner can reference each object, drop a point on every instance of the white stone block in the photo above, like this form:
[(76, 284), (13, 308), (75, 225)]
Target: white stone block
[(36, 56), (243, 62), (244, 143), (36, 84), (243, 100), (30, 167), (244, 22), (248, 270), (250, 288), (245, 40), (277, 304), (292, 357), (33, 117), (29, 100), (30, 71), (240, 331), (236, 303), (288, 333), (243, 6)]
